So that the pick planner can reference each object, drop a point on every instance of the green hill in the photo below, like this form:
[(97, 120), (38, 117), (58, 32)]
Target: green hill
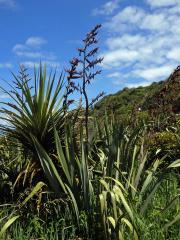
[(156, 96)]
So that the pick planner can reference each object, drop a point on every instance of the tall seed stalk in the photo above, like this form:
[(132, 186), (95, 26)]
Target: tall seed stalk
[(81, 68)]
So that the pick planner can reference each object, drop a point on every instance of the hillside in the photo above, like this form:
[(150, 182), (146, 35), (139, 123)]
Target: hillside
[(166, 93)]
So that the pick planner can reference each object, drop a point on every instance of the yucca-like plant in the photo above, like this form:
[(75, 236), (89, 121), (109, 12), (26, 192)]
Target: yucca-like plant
[(36, 104), (129, 184), (74, 182)]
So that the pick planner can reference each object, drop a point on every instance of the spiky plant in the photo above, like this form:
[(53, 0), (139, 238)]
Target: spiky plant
[(34, 107), (129, 184)]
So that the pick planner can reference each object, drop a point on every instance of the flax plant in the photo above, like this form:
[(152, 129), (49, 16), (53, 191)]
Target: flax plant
[(75, 180), (36, 104), (129, 184)]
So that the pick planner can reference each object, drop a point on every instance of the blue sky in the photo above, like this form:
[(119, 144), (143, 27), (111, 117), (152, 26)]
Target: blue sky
[(140, 40)]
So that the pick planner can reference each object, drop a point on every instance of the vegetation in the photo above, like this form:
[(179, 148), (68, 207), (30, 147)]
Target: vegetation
[(63, 176), (148, 98)]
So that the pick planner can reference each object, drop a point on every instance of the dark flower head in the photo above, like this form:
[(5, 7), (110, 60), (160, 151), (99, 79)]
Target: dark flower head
[(74, 61)]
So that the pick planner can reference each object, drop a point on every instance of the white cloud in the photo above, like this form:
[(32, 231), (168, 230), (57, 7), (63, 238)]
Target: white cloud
[(117, 82), (125, 82), (8, 3), (137, 84), (122, 21), (37, 55), (51, 64), (19, 47), (143, 43), (115, 57), (114, 75), (106, 9), (31, 44), (35, 41), (6, 65), (174, 54), (133, 18), (162, 3), (125, 41), (154, 74), (155, 22), (31, 53), (29, 49)]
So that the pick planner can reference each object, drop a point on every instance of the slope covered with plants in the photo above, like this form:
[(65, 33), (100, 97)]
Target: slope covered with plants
[(144, 98)]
